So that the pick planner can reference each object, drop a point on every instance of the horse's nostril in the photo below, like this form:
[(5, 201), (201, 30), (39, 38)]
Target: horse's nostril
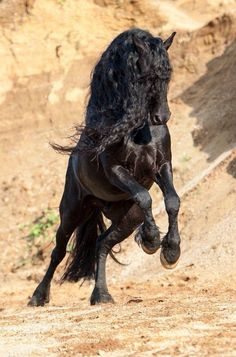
[(157, 119)]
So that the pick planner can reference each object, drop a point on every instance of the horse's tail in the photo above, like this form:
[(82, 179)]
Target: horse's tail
[(81, 263)]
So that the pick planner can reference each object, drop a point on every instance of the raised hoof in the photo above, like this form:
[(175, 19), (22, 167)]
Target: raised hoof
[(148, 247), (99, 297), (169, 257)]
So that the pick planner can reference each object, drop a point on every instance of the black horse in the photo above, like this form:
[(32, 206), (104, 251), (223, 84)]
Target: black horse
[(122, 150)]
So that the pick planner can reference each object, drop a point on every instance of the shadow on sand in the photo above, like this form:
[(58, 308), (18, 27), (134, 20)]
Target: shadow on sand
[(213, 102)]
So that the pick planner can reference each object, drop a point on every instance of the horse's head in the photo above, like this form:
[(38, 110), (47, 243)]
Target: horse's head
[(154, 65)]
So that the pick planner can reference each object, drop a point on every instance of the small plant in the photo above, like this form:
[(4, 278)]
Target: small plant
[(61, 2), (185, 158), (40, 235), (41, 225)]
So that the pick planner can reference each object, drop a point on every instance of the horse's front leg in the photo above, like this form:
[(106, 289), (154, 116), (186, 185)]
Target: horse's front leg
[(148, 235), (171, 242)]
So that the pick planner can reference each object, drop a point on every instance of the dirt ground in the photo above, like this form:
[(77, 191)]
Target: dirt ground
[(49, 48), (149, 319)]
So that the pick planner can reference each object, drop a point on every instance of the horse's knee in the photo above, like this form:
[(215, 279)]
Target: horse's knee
[(143, 199), (172, 204)]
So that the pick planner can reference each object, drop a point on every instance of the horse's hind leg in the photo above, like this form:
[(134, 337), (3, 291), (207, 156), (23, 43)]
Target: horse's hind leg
[(71, 216), (170, 252), (41, 294), (106, 241)]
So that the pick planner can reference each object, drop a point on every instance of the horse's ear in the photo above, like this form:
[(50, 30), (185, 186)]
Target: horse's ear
[(168, 42), (140, 45)]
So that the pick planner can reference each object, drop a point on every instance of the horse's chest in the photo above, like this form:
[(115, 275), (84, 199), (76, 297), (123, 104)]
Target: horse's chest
[(141, 163)]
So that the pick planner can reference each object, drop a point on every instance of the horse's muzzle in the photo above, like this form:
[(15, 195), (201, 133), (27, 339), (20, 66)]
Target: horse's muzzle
[(160, 119)]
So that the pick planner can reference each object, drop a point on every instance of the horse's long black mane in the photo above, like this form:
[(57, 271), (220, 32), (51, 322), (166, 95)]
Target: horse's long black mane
[(125, 85)]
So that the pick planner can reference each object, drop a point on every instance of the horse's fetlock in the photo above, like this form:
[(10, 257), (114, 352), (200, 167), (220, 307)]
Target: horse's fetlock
[(172, 241)]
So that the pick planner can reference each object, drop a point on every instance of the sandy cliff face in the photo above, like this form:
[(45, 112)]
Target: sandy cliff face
[(48, 48), (43, 46)]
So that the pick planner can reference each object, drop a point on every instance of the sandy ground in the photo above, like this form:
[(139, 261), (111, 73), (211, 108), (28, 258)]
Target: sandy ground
[(149, 319)]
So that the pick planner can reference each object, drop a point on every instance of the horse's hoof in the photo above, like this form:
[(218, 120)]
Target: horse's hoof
[(37, 301), (173, 256), (99, 297), (150, 248), (147, 247), (40, 297)]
